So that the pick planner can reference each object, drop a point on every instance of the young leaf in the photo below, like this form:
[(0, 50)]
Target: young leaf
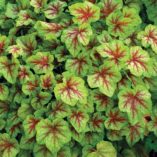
[(71, 91), (105, 78), (41, 62), (136, 102), (54, 134), (138, 62), (48, 31), (54, 9), (8, 146), (109, 6), (9, 68), (116, 51), (77, 36), (103, 149), (84, 13), (29, 126), (116, 120), (79, 120), (149, 37), (3, 44), (4, 92)]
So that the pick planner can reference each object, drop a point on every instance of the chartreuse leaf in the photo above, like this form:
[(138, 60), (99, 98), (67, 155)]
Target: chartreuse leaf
[(105, 78), (103, 102), (15, 50), (114, 135), (109, 6), (59, 110), (77, 38), (29, 125), (54, 9), (38, 4), (139, 61), (41, 62), (48, 31), (9, 68), (8, 146), (96, 122), (105, 37), (27, 43), (84, 13), (25, 74), (40, 99), (4, 92), (115, 120), (24, 18), (148, 37), (11, 10), (41, 150), (71, 90), (136, 102), (3, 44), (121, 25), (78, 120), (134, 133), (31, 86), (103, 149), (27, 143), (79, 65), (116, 52), (47, 81), (54, 134), (152, 125)]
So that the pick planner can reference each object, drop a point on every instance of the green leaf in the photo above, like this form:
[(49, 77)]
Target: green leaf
[(41, 62), (105, 78), (8, 146), (115, 120), (9, 68), (4, 92), (84, 13), (54, 134), (136, 102), (103, 149), (138, 62), (115, 51), (48, 31), (77, 38), (72, 90), (78, 120), (29, 126)]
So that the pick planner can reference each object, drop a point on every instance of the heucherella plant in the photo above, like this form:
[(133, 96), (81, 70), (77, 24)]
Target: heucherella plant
[(78, 78)]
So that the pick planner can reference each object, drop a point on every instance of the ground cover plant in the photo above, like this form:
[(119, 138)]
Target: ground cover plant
[(78, 78)]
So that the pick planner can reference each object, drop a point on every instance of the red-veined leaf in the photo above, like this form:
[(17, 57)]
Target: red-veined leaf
[(54, 134), (41, 62), (84, 12), (9, 68), (115, 120), (72, 90), (136, 102), (4, 92), (78, 120), (105, 78), (109, 6), (77, 36)]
